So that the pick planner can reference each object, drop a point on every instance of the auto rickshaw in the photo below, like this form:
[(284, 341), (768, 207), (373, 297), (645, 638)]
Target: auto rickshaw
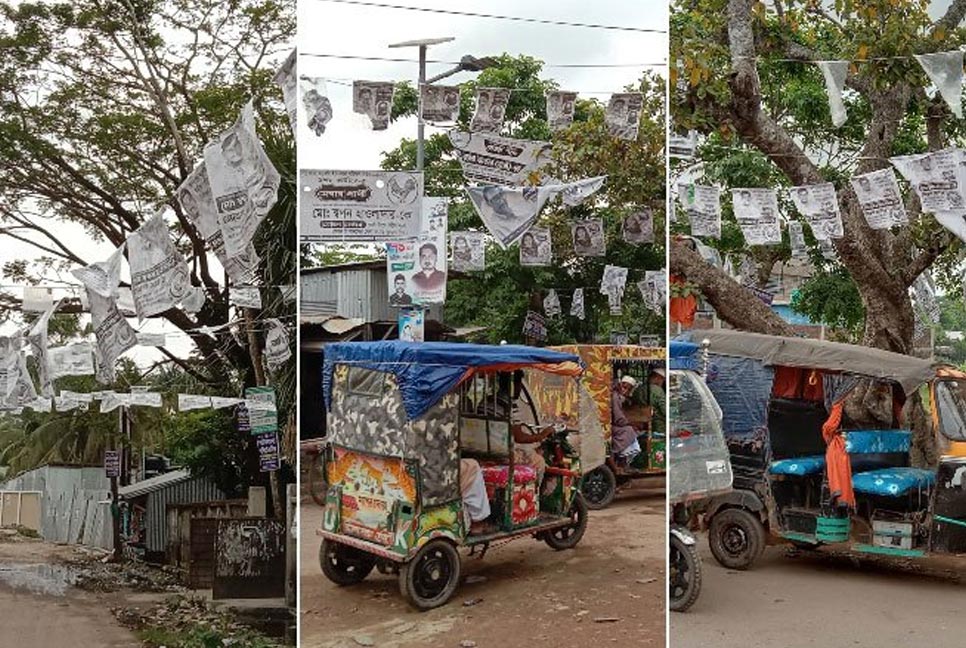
[(605, 366), (823, 453), (401, 416), (700, 467)]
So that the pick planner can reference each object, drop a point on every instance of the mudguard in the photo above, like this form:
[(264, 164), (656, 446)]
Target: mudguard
[(737, 498), (683, 535)]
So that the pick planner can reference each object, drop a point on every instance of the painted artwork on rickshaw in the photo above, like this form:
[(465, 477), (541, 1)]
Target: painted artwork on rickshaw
[(371, 487)]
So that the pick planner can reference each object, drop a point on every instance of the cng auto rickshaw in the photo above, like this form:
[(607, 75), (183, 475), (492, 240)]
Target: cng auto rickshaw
[(823, 453), (700, 468), (605, 365), (401, 416)]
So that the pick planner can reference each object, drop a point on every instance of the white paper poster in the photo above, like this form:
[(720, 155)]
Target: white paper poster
[(221, 402), (927, 306), (490, 159), (945, 70), (188, 402), (936, 178), (491, 106), (315, 99), (703, 206), (439, 104), (411, 325), (37, 339), (623, 114), (36, 300), (194, 299), (75, 359), (612, 284), (113, 334), (878, 194), (197, 203), (246, 296), (151, 339), (638, 227), (417, 267), (756, 211), (360, 206), (159, 275), (819, 205), (577, 305), (80, 397), (575, 193), (285, 79), (62, 404), (144, 398), (469, 251), (560, 109), (277, 351), (536, 247), (551, 304), (373, 99), (508, 213), (796, 239), (588, 237), (102, 277), (834, 73), (654, 290)]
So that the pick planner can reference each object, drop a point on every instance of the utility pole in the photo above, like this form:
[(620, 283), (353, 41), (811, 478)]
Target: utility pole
[(115, 502)]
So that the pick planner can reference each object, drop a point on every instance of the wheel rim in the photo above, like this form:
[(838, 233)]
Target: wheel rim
[(734, 539), (432, 574), (563, 534), (596, 487), (680, 573)]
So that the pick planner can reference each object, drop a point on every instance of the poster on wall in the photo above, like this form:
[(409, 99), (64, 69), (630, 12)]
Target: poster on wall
[(412, 325), (416, 267)]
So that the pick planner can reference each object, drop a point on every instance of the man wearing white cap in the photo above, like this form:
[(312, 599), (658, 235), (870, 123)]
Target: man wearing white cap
[(623, 436)]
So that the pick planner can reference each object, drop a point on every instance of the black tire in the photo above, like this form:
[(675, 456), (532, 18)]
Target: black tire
[(737, 538), (567, 537), (317, 485), (344, 565), (599, 487), (684, 579), (430, 578)]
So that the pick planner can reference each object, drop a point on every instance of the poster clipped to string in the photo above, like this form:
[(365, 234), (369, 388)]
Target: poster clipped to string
[(612, 285), (159, 274), (835, 73), (508, 212), (577, 304), (315, 100), (439, 104), (75, 359), (702, 205), (277, 351), (469, 251), (113, 333), (374, 100), (936, 178), (245, 297), (560, 109), (575, 193), (37, 339), (945, 70), (588, 237), (879, 197), (285, 79), (197, 203), (796, 239), (536, 247), (927, 305), (491, 159), (36, 299), (535, 326), (102, 277), (551, 304), (491, 106), (188, 402), (756, 211), (819, 205), (638, 227), (623, 115)]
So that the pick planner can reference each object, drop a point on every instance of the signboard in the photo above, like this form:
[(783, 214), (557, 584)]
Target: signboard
[(264, 420), (112, 463), (269, 458), (359, 205)]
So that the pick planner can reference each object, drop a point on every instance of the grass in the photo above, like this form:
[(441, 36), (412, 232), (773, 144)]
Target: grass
[(200, 637)]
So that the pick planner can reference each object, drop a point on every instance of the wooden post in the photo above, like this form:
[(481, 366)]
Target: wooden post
[(255, 351)]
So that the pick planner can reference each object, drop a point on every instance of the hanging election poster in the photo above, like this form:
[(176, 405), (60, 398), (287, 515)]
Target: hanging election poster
[(159, 274), (374, 100), (576, 192), (508, 213), (285, 79), (494, 160), (535, 326), (703, 207), (588, 237), (879, 197), (560, 109), (416, 267), (75, 359), (491, 106), (439, 104), (638, 227), (277, 351), (819, 205), (536, 247), (623, 114), (551, 304), (411, 324), (469, 251), (577, 304), (756, 211), (315, 99)]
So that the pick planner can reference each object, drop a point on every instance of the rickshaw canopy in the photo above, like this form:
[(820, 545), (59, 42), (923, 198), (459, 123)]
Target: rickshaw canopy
[(683, 355), (804, 353), (427, 371)]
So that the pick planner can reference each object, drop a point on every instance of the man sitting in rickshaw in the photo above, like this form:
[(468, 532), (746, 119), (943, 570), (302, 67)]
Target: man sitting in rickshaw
[(476, 505), (623, 435)]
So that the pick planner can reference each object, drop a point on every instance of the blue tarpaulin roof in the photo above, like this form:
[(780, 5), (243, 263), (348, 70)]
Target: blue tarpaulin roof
[(426, 371), (682, 355)]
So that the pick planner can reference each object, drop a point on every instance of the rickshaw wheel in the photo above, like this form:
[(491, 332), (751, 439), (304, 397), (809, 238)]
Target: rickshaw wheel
[(567, 537), (599, 487), (431, 577), (344, 565), (317, 485), (737, 538), (685, 575)]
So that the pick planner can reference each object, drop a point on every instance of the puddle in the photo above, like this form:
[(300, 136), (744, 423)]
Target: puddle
[(49, 580)]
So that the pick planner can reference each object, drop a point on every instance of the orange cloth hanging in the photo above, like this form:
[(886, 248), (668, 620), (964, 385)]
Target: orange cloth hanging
[(837, 462)]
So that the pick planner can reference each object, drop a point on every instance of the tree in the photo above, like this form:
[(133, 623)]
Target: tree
[(744, 80), (499, 297)]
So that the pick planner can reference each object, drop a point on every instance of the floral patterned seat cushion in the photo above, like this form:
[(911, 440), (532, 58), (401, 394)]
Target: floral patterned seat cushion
[(801, 466), (892, 482), (497, 474)]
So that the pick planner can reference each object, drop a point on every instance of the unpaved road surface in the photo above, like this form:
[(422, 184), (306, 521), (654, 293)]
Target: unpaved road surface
[(38, 608), (795, 599), (531, 595)]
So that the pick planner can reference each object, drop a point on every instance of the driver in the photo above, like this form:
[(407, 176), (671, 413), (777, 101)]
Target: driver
[(526, 447), (623, 435)]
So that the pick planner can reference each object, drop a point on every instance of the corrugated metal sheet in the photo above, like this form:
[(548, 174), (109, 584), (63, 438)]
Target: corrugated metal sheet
[(155, 483), (351, 293), (197, 489)]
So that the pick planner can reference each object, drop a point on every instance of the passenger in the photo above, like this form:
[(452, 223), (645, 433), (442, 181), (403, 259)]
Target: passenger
[(476, 506), (623, 437), (656, 402)]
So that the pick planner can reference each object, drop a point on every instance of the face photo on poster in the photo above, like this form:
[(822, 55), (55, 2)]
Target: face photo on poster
[(623, 115), (420, 260), (374, 100), (411, 325), (702, 204), (536, 247), (756, 211), (286, 81), (508, 212), (159, 274), (879, 197), (440, 105), (588, 237), (638, 227), (491, 104), (469, 251), (819, 205), (315, 100), (551, 304), (560, 109)]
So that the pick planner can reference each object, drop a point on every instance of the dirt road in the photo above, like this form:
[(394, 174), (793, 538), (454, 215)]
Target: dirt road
[(39, 609), (798, 599), (531, 594)]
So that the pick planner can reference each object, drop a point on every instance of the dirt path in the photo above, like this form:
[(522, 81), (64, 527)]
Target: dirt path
[(804, 599), (531, 594), (38, 609)]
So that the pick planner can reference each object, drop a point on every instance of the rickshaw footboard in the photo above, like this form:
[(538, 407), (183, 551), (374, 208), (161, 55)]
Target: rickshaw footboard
[(362, 545)]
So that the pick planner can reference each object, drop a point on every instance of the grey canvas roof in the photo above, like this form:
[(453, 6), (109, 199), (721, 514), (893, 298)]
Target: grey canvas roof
[(805, 353)]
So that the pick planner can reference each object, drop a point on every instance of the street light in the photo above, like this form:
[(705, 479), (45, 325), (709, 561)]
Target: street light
[(467, 64)]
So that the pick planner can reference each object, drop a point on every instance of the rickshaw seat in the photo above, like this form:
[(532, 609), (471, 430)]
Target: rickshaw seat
[(876, 445), (893, 482), (800, 466), (877, 441), (497, 474)]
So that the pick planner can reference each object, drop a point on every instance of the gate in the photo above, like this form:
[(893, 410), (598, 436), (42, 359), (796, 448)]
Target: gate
[(249, 559)]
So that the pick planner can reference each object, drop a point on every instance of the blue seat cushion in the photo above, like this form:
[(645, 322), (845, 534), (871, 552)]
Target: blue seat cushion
[(877, 441), (801, 466), (892, 482)]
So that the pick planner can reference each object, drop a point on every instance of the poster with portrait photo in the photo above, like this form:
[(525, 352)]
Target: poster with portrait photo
[(612, 285), (420, 261), (491, 106), (536, 247), (879, 197), (756, 211), (412, 325), (508, 212), (374, 100), (819, 205), (702, 204), (285, 80), (315, 100), (927, 305), (560, 109), (796, 239), (937, 179), (551, 304), (469, 251), (577, 304), (159, 274), (588, 237), (623, 115), (638, 227), (440, 104)]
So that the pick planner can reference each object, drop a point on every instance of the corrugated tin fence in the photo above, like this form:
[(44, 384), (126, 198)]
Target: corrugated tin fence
[(198, 489)]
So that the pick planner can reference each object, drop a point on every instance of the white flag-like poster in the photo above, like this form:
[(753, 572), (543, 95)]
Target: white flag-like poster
[(37, 339), (494, 160), (560, 109), (374, 100), (756, 211), (159, 274), (246, 297), (623, 115), (63, 404), (194, 299), (21, 385), (945, 70), (113, 334), (588, 237), (796, 239), (439, 104), (612, 284), (638, 227), (144, 398), (75, 359), (315, 99), (655, 286), (151, 339), (926, 303), (102, 277), (277, 351), (469, 251), (197, 203), (575, 193), (244, 184), (819, 205), (835, 73), (577, 304), (937, 179), (188, 402), (491, 106), (285, 79), (879, 197), (536, 247), (10, 350), (508, 212), (220, 402), (551, 304), (36, 299), (703, 206)]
